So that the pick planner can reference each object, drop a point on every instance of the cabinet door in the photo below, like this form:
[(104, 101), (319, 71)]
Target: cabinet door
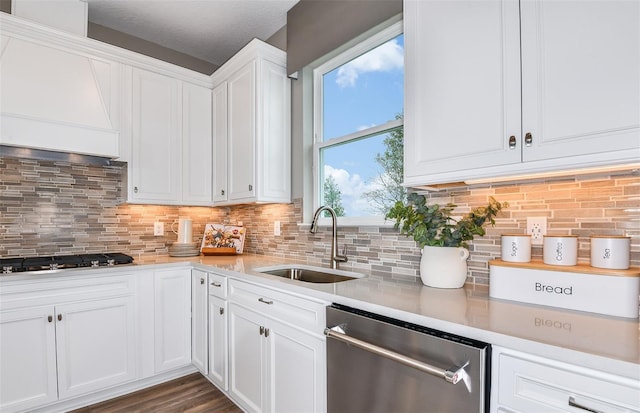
[(199, 294), (296, 370), (172, 319), (196, 144), (462, 101), (247, 357), (273, 142), (218, 344), (220, 137), (27, 359), (156, 147), (241, 132), (96, 345), (580, 82)]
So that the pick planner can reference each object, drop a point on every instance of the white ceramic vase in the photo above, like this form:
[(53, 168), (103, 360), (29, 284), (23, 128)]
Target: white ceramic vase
[(444, 267)]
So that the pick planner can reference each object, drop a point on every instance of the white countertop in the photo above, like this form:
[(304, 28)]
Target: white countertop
[(600, 342)]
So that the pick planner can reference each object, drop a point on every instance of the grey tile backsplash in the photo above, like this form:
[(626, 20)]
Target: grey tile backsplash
[(49, 208)]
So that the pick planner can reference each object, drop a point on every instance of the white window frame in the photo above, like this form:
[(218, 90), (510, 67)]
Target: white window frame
[(362, 47)]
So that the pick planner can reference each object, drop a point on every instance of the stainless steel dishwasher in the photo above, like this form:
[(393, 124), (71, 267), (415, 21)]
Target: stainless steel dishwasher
[(380, 364)]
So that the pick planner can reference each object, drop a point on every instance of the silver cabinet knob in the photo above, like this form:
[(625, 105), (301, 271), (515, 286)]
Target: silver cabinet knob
[(528, 139), (512, 142)]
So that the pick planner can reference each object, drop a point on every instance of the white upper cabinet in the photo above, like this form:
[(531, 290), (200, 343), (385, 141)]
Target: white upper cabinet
[(241, 110), (581, 78), (501, 87), (220, 137), (156, 147), (196, 144), (170, 141), (55, 94), (251, 127)]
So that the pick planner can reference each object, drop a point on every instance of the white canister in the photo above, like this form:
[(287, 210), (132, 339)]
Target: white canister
[(560, 250), (610, 251), (516, 247)]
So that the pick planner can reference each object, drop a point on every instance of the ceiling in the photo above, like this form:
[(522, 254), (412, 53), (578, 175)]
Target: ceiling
[(211, 30)]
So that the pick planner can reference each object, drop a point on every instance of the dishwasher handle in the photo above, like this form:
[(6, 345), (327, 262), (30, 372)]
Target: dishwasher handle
[(450, 376)]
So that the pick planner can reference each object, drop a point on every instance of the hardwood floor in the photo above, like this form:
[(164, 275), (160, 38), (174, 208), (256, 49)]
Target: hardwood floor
[(192, 394)]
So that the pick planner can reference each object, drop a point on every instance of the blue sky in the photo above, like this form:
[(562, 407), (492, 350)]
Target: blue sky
[(365, 92)]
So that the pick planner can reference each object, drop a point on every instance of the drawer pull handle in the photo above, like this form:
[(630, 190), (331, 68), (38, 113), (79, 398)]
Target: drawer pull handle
[(262, 300), (572, 403), (215, 284)]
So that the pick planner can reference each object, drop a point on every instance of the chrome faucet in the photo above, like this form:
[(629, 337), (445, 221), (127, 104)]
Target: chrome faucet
[(335, 257)]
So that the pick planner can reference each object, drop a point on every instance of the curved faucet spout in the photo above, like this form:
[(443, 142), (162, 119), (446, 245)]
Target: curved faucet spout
[(335, 257)]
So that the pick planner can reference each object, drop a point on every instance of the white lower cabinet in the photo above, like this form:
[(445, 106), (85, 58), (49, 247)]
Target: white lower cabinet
[(172, 319), (274, 366), (218, 342), (524, 383), (295, 370), (96, 345), (247, 357), (199, 309), (92, 343), (28, 376)]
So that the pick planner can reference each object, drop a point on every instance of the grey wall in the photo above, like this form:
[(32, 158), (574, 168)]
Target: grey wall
[(279, 38), (317, 27), (126, 41)]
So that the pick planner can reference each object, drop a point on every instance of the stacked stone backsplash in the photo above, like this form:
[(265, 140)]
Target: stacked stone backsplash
[(50, 208)]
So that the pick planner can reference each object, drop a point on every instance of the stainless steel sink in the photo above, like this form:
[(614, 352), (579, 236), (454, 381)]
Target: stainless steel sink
[(310, 274)]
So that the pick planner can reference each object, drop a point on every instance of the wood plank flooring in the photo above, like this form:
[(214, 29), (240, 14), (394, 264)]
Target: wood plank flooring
[(192, 394)]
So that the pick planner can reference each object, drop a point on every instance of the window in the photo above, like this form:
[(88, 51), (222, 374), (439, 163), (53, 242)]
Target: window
[(358, 132)]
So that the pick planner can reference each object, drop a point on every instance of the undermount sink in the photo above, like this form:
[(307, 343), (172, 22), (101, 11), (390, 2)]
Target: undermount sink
[(310, 274)]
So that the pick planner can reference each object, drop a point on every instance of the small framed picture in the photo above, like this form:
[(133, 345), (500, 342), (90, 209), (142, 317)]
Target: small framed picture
[(223, 238)]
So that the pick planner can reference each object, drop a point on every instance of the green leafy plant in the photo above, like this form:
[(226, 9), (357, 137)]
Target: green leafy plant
[(433, 225)]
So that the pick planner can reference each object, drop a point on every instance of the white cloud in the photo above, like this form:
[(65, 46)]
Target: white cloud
[(384, 58), (363, 127), (351, 186)]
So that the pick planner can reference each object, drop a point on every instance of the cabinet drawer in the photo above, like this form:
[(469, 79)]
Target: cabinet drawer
[(297, 311), (218, 285), (535, 384), (52, 291)]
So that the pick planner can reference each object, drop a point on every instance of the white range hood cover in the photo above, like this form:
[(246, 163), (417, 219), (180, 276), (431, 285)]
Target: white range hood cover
[(56, 99)]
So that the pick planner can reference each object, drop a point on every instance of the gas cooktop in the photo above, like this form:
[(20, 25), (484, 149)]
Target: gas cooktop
[(59, 262)]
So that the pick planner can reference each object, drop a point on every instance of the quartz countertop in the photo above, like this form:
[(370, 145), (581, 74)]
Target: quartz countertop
[(605, 343)]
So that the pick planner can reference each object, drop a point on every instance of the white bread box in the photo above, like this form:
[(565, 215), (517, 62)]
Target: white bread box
[(579, 287)]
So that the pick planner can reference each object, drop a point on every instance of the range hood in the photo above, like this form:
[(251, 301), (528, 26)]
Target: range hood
[(54, 95)]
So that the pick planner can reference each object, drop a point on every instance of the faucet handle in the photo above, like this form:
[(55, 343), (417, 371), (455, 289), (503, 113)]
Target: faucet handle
[(342, 257)]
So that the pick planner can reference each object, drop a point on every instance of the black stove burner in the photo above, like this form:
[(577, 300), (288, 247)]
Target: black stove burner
[(58, 262)]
